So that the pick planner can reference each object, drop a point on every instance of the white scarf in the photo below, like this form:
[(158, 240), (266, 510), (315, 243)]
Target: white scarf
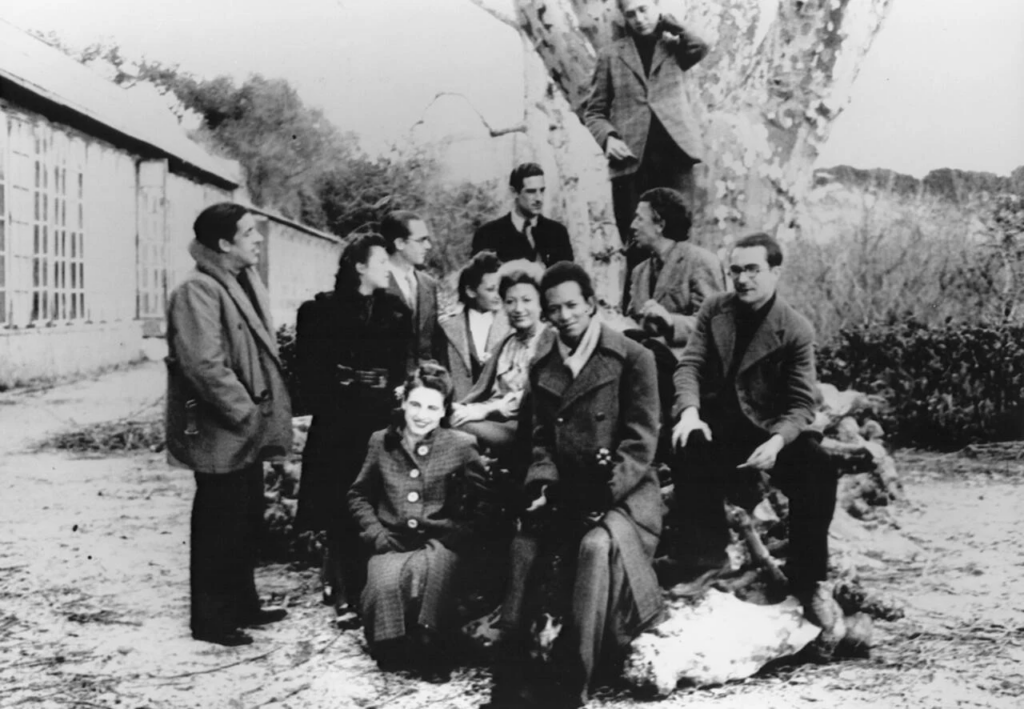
[(575, 361)]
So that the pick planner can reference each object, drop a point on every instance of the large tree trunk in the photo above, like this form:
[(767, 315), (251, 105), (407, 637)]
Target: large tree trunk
[(778, 75)]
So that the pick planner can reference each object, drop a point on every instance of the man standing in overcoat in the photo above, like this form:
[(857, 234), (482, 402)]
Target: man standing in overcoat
[(745, 398), (638, 113), (593, 411), (227, 411)]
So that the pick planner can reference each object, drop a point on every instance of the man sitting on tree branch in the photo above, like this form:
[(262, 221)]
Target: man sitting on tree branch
[(745, 398)]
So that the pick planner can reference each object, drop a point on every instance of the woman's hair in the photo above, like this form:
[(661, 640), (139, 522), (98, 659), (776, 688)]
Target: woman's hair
[(357, 251), (519, 271), (434, 376), (473, 274)]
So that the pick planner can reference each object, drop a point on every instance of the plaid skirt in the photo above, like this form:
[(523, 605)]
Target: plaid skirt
[(404, 588)]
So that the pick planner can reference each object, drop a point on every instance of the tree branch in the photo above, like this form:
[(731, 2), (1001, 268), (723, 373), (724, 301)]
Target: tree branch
[(497, 14), (493, 132)]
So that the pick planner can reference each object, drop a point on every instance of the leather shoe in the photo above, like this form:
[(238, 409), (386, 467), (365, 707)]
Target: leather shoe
[(270, 614), (227, 638)]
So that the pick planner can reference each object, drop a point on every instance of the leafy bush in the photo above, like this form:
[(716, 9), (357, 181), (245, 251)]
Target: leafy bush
[(947, 385), (286, 351)]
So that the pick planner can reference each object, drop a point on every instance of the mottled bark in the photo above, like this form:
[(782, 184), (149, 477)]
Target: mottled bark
[(779, 73)]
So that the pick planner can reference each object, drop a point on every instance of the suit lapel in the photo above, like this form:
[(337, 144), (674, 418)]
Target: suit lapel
[(458, 334), (668, 278), (424, 306), (595, 373), (767, 339), (253, 320), (723, 327), (631, 58), (660, 55)]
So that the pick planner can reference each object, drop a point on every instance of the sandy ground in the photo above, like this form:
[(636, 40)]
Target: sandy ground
[(94, 592)]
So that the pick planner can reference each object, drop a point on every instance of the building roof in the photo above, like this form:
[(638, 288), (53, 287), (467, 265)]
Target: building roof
[(49, 73), (274, 216)]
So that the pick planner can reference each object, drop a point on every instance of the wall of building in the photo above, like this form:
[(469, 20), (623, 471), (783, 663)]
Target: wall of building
[(299, 265)]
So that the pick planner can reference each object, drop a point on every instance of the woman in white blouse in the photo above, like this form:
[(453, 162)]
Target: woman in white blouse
[(489, 411)]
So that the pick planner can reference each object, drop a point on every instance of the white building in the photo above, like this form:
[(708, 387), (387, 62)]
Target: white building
[(98, 192)]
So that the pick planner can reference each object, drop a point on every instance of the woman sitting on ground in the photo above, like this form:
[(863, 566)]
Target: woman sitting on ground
[(407, 502), (490, 409)]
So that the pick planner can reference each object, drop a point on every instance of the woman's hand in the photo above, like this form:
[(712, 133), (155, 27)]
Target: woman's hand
[(509, 404)]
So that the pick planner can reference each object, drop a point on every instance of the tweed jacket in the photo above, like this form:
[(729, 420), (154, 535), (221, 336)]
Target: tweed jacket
[(623, 99), (688, 276), (612, 404), (775, 382), (502, 237), (401, 499), (428, 342), (456, 333), (227, 405)]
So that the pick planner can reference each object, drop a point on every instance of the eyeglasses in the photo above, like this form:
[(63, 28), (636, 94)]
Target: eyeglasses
[(752, 270)]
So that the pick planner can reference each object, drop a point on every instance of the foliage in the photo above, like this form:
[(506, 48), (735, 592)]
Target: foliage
[(947, 385), (122, 436), (287, 354)]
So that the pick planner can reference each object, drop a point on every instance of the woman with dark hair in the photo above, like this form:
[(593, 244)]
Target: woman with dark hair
[(489, 411), (350, 351), (476, 324), (407, 504)]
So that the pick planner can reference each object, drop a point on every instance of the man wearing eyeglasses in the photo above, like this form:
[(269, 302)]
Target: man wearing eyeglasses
[(409, 241), (745, 398)]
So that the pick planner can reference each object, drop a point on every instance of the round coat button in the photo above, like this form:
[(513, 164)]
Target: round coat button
[(413, 496), (560, 420), (413, 523), (422, 450), (414, 473)]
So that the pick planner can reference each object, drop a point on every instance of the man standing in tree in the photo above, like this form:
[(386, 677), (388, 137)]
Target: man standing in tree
[(638, 113), (525, 233), (227, 411), (745, 398)]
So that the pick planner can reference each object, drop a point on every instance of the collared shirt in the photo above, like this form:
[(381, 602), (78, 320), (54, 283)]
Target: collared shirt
[(520, 222), (479, 328), (406, 280)]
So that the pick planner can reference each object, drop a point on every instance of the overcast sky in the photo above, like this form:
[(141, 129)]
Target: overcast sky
[(943, 85)]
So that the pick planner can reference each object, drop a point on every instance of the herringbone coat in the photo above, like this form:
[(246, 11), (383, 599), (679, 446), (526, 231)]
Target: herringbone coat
[(623, 98), (227, 404)]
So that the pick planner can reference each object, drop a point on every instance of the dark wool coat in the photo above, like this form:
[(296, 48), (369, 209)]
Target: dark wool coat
[(612, 404), (360, 333), (502, 237), (227, 405), (409, 502), (775, 382), (623, 98)]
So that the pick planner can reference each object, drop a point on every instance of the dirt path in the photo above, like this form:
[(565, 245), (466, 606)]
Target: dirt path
[(94, 592)]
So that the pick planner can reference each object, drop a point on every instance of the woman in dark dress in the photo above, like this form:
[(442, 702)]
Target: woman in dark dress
[(350, 348)]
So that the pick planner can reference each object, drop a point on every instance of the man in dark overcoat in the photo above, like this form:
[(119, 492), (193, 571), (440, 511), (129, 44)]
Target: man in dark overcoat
[(525, 233), (227, 411), (745, 398), (593, 412), (638, 111)]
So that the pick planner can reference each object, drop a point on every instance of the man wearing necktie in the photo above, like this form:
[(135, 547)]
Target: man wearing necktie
[(525, 233), (408, 239)]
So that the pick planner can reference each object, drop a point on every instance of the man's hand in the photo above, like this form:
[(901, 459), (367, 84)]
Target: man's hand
[(689, 422), (464, 413), (540, 501), (763, 457), (652, 310), (616, 149)]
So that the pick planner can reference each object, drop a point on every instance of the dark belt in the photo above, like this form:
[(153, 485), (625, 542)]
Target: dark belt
[(369, 378)]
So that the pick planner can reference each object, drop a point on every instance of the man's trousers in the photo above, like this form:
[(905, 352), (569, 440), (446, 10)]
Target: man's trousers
[(705, 474), (227, 515)]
